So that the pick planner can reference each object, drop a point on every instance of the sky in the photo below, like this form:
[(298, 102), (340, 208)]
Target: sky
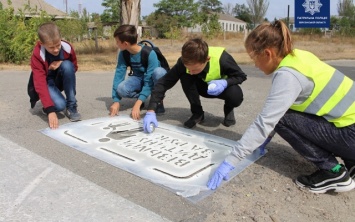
[(277, 8)]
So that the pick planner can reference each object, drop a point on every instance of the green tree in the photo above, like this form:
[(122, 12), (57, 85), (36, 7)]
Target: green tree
[(183, 11), (174, 33), (212, 28), (18, 34), (210, 6), (258, 10), (346, 8), (243, 13), (334, 23), (73, 28), (208, 17), (85, 17), (162, 23), (346, 27), (172, 15), (346, 24), (112, 11)]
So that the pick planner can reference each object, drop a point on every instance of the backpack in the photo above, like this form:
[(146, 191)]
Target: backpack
[(148, 46), (31, 91)]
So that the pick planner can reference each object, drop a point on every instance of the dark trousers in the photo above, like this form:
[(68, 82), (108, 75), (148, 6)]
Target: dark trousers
[(316, 139), (195, 87)]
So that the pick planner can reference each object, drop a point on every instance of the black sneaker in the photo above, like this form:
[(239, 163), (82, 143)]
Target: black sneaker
[(229, 119), (194, 119), (73, 114), (160, 108), (322, 181), (350, 166)]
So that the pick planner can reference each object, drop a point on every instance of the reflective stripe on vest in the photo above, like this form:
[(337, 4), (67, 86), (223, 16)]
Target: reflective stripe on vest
[(333, 94), (214, 71)]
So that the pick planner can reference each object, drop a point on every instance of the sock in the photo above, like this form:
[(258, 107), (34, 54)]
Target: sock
[(336, 168)]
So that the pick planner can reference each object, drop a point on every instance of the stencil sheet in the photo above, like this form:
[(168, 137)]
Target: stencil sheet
[(176, 158)]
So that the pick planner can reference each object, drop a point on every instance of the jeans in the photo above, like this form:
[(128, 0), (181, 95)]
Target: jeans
[(62, 78), (132, 86), (316, 139)]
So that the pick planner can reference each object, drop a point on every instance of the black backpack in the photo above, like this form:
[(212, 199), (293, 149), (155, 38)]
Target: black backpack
[(31, 91), (146, 49)]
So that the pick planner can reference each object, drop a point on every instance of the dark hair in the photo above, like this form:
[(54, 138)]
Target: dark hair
[(194, 51), (126, 33), (270, 35), (48, 31)]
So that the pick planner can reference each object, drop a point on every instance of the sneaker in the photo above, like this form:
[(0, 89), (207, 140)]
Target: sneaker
[(160, 108), (229, 119), (73, 114), (350, 166), (194, 119), (322, 181)]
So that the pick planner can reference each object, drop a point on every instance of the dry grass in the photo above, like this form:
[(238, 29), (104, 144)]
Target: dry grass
[(334, 48)]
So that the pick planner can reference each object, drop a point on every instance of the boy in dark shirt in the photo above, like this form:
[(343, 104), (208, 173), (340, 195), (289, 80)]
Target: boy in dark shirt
[(203, 71)]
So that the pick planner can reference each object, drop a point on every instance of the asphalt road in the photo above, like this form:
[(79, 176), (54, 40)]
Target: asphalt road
[(45, 180)]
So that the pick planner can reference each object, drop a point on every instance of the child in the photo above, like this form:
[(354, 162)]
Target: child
[(203, 71), (311, 105), (141, 80), (53, 65)]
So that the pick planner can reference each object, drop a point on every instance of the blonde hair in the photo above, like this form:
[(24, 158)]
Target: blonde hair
[(48, 31), (270, 35)]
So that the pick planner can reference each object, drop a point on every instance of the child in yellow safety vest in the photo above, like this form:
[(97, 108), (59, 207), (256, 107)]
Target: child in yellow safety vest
[(311, 105)]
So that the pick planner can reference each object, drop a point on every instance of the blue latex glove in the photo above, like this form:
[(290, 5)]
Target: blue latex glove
[(216, 87), (262, 146), (222, 172), (150, 118), (268, 139)]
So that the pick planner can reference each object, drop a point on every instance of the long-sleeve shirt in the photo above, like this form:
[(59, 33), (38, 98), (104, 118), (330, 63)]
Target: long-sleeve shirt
[(288, 87), (138, 70), (228, 67)]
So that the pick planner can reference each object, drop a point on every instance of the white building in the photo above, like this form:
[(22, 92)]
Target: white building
[(231, 24), (227, 22)]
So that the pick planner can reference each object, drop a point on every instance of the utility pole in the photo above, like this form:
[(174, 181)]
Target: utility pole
[(80, 6), (66, 5), (288, 16)]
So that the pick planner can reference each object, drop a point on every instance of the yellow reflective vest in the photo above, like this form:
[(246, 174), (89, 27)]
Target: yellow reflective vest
[(214, 71), (333, 96)]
